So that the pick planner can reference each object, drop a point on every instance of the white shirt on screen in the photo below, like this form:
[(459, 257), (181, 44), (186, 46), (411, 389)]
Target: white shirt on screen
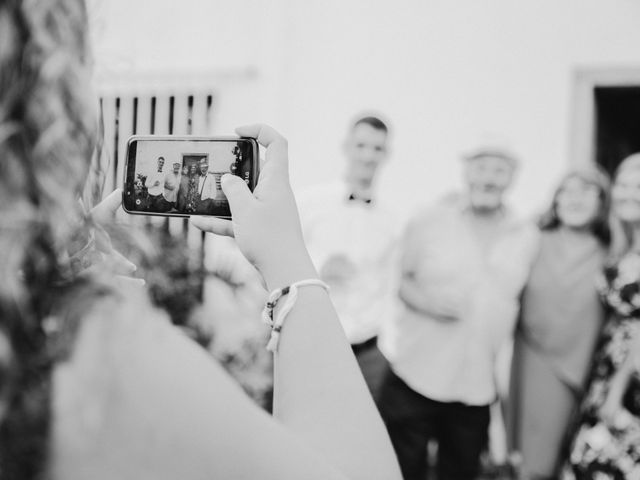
[(453, 360), (171, 180), (207, 186), (152, 178), (353, 245)]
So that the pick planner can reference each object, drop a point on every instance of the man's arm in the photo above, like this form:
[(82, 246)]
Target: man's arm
[(169, 183), (427, 301), (419, 295)]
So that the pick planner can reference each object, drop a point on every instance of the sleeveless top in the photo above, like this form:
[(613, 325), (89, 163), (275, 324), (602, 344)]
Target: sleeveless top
[(561, 313)]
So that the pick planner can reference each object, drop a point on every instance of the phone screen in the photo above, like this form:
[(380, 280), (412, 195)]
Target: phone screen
[(180, 176)]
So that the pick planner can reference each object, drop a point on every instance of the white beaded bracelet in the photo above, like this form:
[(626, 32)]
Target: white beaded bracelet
[(292, 296)]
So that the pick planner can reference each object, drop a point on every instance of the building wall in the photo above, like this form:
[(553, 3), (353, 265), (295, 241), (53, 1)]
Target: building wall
[(444, 73)]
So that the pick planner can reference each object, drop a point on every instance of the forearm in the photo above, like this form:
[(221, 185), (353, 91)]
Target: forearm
[(428, 303), (319, 392)]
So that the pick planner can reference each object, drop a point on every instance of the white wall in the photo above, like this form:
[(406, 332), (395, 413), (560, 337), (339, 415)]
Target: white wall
[(442, 71)]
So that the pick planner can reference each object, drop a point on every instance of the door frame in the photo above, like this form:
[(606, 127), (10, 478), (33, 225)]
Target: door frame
[(583, 111)]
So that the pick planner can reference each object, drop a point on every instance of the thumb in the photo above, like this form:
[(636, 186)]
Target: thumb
[(237, 192), (104, 212)]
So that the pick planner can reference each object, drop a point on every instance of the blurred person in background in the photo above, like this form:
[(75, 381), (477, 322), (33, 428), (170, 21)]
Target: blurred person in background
[(605, 440), (351, 238), (458, 308), (96, 383), (560, 319)]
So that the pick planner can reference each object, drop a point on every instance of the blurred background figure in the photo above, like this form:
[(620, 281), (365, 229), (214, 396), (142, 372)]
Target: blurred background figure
[(454, 318), (560, 319), (352, 238), (605, 443)]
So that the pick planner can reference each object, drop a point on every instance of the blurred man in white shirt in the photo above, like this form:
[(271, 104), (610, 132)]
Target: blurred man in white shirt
[(458, 310), (352, 239)]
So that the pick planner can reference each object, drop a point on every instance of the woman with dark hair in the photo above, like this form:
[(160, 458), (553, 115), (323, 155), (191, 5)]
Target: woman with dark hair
[(95, 382), (559, 322), (605, 440)]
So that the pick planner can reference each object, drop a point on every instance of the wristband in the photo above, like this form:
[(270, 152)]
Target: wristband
[(292, 296)]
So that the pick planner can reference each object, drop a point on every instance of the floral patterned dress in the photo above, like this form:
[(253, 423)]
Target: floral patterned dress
[(598, 450), (192, 194)]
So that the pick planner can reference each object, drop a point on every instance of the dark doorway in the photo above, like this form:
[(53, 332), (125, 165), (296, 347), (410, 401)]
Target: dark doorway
[(617, 124)]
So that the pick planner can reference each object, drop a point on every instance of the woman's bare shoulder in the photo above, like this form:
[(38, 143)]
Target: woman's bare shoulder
[(139, 399)]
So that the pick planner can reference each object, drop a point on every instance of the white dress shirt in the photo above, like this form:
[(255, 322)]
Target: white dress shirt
[(352, 244), (453, 360)]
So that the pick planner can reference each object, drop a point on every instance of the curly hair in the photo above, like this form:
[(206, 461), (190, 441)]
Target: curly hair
[(47, 135)]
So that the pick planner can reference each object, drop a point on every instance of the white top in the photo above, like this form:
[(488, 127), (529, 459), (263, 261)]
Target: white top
[(171, 180), (207, 186), (353, 245), (453, 360), (152, 178)]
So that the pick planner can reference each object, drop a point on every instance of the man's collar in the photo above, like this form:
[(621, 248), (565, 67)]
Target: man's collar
[(358, 194), (360, 198)]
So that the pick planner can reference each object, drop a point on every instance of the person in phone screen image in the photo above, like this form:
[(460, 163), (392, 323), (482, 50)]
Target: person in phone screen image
[(156, 186), (171, 185), (192, 196), (183, 188), (206, 188)]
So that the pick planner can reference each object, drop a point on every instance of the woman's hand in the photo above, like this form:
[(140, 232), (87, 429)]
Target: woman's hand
[(103, 215), (265, 223)]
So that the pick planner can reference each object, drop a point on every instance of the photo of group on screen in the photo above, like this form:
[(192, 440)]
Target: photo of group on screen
[(188, 186)]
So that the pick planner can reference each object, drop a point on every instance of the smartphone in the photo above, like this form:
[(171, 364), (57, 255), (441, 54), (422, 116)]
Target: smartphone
[(179, 176)]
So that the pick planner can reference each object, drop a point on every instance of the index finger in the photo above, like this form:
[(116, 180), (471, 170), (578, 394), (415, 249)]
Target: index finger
[(276, 145)]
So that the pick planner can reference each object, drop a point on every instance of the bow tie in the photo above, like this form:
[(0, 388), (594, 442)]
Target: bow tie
[(354, 197)]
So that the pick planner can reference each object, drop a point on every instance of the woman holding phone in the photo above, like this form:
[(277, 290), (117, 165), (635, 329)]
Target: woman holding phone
[(95, 381)]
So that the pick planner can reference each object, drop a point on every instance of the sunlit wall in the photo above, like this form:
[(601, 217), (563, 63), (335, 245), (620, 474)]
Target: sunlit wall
[(444, 72)]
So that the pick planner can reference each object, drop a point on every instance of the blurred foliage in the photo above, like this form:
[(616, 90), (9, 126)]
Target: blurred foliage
[(219, 313)]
